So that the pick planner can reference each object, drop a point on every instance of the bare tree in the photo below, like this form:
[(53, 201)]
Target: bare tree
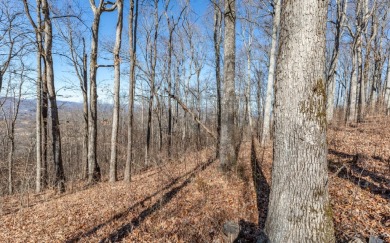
[(172, 23), (152, 79), (41, 162), (271, 73), (133, 22), (299, 209), (78, 59), (341, 8), (55, 123), (10, 123), (355, 99), (93, 166), (117, 73), (227, 146), (217, 38)]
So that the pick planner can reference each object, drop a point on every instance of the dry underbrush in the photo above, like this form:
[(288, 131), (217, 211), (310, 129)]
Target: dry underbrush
[(178, 202), (189, 200)]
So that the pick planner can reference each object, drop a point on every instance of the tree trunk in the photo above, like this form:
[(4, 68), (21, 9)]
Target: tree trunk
[(387, 87), (55, 124), (38, 115), (299, 209), (271, 74), (11, 164), (133, 51), (117, 72), (217, 53), (45, 115), (362, 86), (169, 80), (93, 167), (84, 87), (227, 147), (351, 116), (331, 77), (152, 83)]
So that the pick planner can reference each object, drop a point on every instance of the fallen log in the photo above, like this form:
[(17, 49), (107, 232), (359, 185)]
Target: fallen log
[(194, 116)]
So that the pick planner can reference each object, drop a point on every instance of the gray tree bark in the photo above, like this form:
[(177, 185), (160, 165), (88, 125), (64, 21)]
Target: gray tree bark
[(217, 52), (227, 146), (84, 89), (93, 166), (117, 73), (299, 209), (38, 116), (133, 20), (153, 61), (271, 74), (351, 111), (55, 123)]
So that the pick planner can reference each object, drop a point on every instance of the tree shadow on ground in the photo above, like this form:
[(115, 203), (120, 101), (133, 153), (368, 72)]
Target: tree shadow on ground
[(357, 174), (126, 229), (261, 185)]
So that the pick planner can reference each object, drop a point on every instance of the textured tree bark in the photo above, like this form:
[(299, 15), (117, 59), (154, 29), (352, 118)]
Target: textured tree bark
[(299, 209), (227, 147), (133, 20), (271, 74), (55, 123), (117, 73)]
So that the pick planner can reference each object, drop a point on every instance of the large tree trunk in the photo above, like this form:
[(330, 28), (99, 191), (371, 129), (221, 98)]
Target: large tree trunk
[(227, 147), (133, 49), (55, 124), (271, 74), (299, 209), (117, 73)]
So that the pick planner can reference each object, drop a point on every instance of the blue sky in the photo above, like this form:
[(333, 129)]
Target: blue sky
[(66, 79)]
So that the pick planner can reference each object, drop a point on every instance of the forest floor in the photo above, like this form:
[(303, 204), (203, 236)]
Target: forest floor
[(189, 200)]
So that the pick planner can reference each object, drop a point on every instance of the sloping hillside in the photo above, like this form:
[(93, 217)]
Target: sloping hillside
[(190, 200), (184, 201)]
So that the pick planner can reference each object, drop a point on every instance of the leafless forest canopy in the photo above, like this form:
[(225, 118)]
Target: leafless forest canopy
[(211, 94)]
